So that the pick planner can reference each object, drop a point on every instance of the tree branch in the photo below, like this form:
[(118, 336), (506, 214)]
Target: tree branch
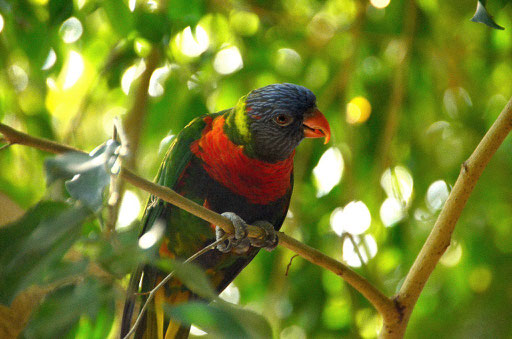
[(440, 236), (384, 305)]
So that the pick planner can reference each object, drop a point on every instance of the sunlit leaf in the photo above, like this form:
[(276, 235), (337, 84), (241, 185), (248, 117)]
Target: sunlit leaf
[(86, 175)]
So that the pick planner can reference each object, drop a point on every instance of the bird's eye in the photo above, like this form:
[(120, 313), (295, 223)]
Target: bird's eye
[(283, 120)]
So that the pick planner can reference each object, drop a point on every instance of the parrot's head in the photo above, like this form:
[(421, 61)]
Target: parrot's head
[(271, 121)]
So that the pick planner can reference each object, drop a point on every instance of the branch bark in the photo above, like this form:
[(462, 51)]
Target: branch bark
[(383, 304), (440, 237)]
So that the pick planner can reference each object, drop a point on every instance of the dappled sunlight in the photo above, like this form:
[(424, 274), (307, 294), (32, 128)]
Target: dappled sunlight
[(74, 69), (358, 110), (480, 279), (354, 218), (398, 184), (231, 294), (71, 30), (452, 255), (193, 45), (328, 172), (18, 77), (196, 331), (369, 323), (366, 249), (65, 94), (437, 194), (288, 61), (129, 210), (293, 332), (245, 23), (151, 237), (131, 74), (228, 60), (157, 81), (380, 3), (50, 60), (391, 212)]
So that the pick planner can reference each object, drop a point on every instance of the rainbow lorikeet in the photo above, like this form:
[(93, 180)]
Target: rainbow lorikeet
[(238, 162)]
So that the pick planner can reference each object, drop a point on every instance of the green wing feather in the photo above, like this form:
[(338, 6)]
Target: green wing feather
[(175, 162)]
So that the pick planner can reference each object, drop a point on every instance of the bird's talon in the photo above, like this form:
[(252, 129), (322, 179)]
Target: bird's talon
[(240, 242)]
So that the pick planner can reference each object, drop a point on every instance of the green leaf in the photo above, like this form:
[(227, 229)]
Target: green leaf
[(152, 26), (221, 319), (482, 16), (66, 311), (86, 175), (32, 246), (60, 10), (191, 276), (120, 17), (185, 13)]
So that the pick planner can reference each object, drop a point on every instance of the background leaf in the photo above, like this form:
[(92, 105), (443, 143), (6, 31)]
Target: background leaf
[(35, 243), (222, 320)]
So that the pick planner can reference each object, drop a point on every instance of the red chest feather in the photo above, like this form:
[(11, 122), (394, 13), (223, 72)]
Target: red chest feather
[(258, 181)]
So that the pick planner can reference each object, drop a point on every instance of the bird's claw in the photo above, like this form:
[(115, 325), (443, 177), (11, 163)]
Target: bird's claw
[(239, 242)]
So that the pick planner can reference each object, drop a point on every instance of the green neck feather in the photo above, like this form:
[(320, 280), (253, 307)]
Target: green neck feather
[(237, 127)]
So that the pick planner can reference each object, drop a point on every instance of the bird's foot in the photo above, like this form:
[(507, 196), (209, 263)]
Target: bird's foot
[(239, 242)]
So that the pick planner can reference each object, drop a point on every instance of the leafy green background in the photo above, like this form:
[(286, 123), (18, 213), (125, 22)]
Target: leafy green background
[(435, 82)]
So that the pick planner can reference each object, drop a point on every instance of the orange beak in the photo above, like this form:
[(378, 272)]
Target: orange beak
[(316, 126)]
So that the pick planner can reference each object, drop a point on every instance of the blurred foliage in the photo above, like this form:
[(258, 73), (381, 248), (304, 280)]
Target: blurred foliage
[(409, 88)]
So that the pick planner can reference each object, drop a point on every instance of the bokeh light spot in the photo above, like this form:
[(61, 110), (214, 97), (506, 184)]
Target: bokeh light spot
[(452, 255), (74, 69), (369, 323), (328, 171), (398, 183), (130, 75), (480, 279), (288, 62), (391, 212), (354, 218), (18, 77), (231, 294), (293, 332), (366, 249), (437, 194), (380, 3), (129, 210), (195, 331), (157, 80), (228, 60), (50, 60), (71, 30), (193, 45), (336, 314), (1, 23), (245, 23), (358, 110), (151, 237)]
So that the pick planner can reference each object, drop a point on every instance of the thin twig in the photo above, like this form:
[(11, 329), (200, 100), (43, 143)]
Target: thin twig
[(290, 264), (383, 304), (166, 279)]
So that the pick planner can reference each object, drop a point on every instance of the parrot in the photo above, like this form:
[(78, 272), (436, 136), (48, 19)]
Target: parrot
[(239, 163)]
